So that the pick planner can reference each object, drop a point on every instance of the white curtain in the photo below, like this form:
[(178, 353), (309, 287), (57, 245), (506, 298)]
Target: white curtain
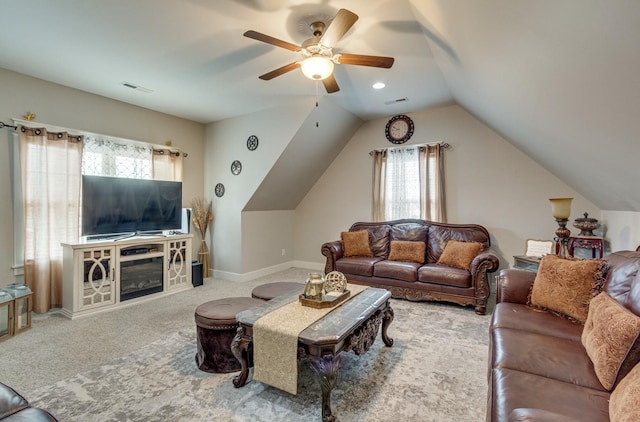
[(408, 182), (167, 165), (51, 172)]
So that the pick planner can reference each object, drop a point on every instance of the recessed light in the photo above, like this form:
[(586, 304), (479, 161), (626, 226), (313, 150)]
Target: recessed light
[(378, 85)]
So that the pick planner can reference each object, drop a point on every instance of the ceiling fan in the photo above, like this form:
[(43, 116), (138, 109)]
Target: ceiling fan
[(317, 52)]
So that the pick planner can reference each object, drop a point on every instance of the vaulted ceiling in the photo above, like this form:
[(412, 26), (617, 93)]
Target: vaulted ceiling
[(560, 79)]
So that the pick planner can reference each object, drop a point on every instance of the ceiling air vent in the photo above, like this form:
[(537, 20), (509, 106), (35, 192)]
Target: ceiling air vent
[(397, 100), (137, 87)]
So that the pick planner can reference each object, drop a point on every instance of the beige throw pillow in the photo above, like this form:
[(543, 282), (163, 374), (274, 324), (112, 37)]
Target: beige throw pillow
[(356, 243), (459, 254), (624, 403), (409, 251), (565, 286), (611, 337)]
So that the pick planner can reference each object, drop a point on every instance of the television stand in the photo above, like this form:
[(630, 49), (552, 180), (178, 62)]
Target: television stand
[(98, 275)]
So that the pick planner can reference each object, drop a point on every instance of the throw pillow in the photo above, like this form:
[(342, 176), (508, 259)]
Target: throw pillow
[(356, 243), (611, 337), (405, 250), (624, 403), (459, 254), (565, 286)]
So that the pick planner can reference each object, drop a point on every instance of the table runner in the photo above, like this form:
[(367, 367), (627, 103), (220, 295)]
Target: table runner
[(275, 341)]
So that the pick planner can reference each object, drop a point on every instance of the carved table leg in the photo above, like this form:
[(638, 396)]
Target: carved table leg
[(327, 369), (386, 320), (240, 349)]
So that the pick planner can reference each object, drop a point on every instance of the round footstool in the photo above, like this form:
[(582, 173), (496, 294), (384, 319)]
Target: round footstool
[(270, 290), (216, 326)]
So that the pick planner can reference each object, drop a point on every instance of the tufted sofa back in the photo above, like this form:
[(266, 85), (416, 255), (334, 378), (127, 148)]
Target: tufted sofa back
[(435, 235)]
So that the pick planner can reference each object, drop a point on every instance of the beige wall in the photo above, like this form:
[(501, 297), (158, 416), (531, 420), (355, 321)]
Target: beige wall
[(267, 240), (622, 229), (489, 182), (226, 141), (65, 107)]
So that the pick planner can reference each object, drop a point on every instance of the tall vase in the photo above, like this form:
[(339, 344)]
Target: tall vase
[(203, 258)]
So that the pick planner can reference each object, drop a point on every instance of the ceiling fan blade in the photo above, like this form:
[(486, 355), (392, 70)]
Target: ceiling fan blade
[(270, 40), (280, 71), (330, 84), (362, 60), (341, 23)]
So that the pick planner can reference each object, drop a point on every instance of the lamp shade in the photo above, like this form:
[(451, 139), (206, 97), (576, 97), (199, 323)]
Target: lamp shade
[(317, 67), (561, 207)]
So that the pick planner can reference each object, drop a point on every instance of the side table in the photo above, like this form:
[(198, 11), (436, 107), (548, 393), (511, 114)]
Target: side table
[(595, 243), (524, 262)]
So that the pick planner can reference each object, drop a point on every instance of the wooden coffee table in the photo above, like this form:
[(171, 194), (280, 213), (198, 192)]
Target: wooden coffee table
[(353, 326)]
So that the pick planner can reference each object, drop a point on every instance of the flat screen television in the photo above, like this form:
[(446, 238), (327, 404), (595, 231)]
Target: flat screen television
[(116, 205)]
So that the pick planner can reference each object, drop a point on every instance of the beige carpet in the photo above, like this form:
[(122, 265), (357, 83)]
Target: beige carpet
[(137, 364)]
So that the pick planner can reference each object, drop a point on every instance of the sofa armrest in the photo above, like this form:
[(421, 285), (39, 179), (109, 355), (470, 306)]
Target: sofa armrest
[(332, 251), (485, 262), (514, 285)]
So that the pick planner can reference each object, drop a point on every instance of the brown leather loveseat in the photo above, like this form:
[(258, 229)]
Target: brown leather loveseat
[(462, 279), (540, 366)]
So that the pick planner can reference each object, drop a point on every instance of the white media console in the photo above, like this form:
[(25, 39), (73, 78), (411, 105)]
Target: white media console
[(106, 274)]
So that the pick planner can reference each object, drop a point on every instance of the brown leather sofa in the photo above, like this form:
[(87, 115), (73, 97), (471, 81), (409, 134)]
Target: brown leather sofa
[(538, 367), (14, 407), (418, 281)]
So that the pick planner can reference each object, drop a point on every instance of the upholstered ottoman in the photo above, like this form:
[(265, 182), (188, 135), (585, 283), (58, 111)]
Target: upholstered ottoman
[(270, 290), (216, 326)]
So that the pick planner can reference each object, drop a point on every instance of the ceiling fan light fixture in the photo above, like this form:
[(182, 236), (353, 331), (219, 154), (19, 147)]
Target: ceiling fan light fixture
[(317, 67)]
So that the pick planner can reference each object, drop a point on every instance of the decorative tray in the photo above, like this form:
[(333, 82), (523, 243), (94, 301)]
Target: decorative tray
[(329, 302)]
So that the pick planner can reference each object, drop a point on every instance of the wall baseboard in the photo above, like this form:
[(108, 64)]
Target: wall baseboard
[(236, 277)]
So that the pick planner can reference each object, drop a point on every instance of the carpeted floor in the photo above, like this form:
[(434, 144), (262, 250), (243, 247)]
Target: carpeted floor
[(137, 364)]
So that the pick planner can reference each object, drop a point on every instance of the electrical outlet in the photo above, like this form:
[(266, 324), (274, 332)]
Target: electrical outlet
[(284, 252)]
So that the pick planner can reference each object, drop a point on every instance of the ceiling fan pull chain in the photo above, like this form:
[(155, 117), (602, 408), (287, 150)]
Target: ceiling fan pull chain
[(317, 97)]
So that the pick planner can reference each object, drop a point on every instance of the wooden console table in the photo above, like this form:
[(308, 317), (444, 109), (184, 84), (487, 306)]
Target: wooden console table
[(352, 326)]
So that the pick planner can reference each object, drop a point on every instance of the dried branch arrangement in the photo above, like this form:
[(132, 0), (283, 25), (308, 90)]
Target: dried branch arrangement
[(202, 215)]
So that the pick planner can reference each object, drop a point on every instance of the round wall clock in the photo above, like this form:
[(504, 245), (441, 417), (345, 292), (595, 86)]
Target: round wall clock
[(236, 167), (219, 189), (399, 129), (252, 143)]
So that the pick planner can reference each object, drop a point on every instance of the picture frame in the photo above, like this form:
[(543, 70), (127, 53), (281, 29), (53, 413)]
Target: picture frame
[(538, 248)]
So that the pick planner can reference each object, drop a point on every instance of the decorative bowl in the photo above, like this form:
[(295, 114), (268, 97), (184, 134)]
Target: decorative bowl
[(586, 225)]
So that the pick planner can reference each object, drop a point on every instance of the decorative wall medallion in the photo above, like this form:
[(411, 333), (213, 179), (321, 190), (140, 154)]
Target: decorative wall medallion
[(236, 167), (252, 143), (219, 190)]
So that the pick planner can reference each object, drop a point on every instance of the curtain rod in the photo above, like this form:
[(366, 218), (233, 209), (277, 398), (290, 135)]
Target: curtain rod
[(3, 125), (156, 148), (444, 145)]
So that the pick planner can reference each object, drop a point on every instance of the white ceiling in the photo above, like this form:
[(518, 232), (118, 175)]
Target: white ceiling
[(560, 79), (192, 53)]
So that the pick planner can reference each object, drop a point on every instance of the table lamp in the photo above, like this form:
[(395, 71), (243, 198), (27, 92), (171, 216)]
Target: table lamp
[(561, 208)]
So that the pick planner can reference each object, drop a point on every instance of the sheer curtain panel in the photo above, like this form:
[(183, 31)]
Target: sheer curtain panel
[(51, 172), (167, 165)]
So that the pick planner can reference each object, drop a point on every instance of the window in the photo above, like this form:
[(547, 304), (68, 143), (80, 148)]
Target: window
[(47, 210), (408, 183), (117, 158), (402, 184)]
